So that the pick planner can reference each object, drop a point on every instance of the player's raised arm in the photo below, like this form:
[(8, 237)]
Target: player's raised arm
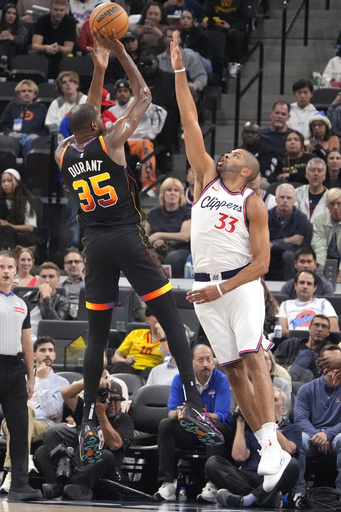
[(100, 56), (130, 119), (199, 159)]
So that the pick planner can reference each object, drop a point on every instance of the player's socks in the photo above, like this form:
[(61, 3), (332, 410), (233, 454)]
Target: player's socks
[(88, 437)]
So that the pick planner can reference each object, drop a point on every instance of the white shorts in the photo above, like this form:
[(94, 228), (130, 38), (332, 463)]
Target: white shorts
[(234, 323)]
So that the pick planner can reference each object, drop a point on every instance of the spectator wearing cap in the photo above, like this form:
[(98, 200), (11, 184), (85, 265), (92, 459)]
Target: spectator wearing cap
[(141, 142), (162, 87), (321, 139), (117, 433), (115, 70), (67, 83)]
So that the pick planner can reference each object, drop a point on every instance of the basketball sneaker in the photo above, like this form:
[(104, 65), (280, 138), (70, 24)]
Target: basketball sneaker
[(271, 458), (89, 443), (225, 498), (196, 421), (208, 494), (167, 492)]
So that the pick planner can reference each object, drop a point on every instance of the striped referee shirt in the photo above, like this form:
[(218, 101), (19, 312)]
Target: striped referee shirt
[(14, 316)]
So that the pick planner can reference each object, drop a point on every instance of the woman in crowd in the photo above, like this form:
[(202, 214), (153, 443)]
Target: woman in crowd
[(18, 218), (25, 262), (13, 36), (321, 139), (333, 178), (195, 38), (295, 160), (152, 26), (169, 226)]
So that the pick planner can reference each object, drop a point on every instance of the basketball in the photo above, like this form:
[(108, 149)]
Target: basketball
[(110, 16)]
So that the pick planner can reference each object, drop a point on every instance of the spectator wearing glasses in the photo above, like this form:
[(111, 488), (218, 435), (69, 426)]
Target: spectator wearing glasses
[(74, 267)]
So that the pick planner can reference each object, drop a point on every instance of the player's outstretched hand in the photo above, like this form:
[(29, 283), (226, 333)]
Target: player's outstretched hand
[(100, 54), (112, 44), (175, 52)]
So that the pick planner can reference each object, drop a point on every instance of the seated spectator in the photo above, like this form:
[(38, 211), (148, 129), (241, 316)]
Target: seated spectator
[(178, 7), (321, 139), (13, 36), (74, 267), (334, 114), (196, 74), (327, 231), (152, 26), (269, 199), (81, 10), (23, 118), (55, 35), (311, 199), (238, 483), (271, 309), (25, 262), (46, 303), (280, 379), (306, 258), (67, 83), (141, 350), (141, 142), (333, 176), (169, 226), (214, 391), (274, 137), (317, 414), (18, 218), (193, 36), (298, 313), (289, 228), (288, 350), (231, 18), (302, 110), (162, 87), (295, 160), (115, 69), (45, 408), (117, 430), (332, 71), (268, 159)]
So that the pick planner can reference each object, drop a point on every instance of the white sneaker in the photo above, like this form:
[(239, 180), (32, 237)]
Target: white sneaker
[(208, 494), (233, 69), (6, 484), (31, 466), (270, 481), (270, 458), (167, 492)]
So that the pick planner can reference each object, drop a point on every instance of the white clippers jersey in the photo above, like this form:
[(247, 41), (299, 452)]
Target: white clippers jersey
[(220, 235)]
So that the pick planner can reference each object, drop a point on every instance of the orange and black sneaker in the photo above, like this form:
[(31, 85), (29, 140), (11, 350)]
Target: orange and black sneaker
[(196, 420), (89, 443)]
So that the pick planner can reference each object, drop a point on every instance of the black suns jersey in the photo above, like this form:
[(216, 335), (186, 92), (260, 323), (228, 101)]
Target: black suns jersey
[(105, 191)]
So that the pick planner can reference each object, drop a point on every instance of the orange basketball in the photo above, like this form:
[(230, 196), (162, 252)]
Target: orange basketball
[(110, 16)]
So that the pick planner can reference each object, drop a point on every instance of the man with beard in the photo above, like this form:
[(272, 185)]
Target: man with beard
[(45, 407), (230, 249)]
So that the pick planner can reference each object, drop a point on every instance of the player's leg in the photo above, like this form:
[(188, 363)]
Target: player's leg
[(150, 282)]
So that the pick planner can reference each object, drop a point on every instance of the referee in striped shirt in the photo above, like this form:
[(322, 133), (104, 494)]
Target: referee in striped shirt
[(16, 349)]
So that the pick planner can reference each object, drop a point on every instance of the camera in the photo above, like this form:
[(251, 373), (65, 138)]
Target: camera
[(67, 463), (103, 395)]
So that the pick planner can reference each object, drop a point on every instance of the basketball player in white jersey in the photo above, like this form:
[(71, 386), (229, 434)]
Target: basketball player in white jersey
[(231, 251)]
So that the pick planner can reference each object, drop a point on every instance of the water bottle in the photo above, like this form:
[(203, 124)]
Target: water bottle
[(182, 498), (188, 270), (278, 331)]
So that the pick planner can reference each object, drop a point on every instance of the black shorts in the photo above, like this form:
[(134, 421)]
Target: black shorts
[(108, 250)]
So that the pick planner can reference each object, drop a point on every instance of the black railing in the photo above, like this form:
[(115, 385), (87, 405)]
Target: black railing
[(240, 92), (286, 30), (327, 5)]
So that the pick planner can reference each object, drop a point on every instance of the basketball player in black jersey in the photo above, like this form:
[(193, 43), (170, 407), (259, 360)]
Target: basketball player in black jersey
[(94, 168)]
